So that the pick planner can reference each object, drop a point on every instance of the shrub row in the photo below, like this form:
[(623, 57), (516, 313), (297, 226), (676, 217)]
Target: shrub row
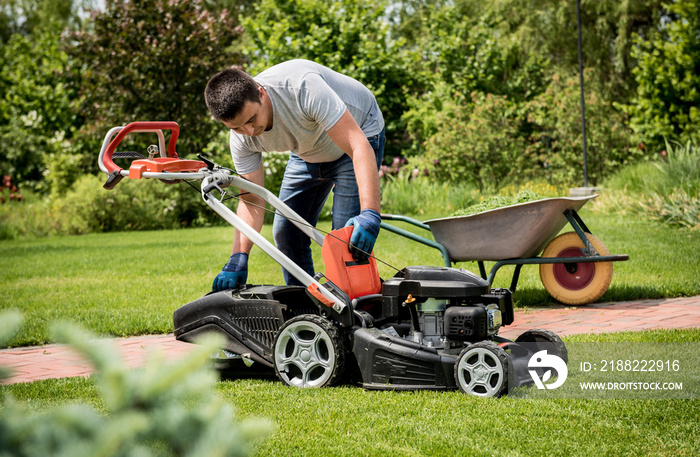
[(88, 208)]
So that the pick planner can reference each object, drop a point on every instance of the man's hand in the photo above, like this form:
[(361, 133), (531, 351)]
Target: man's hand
[(234, 273), (365, 233)]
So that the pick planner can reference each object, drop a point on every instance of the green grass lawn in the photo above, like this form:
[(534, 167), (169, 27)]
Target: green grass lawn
[(348, 420), (354, 422), (124, 284)]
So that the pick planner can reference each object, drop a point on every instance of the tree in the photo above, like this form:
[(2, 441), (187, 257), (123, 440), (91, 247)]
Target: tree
[(555, 133), (36, 120), (35, 112), (548, 28), (667, 102), (459, 54), (151, 60), (349, 36), (25, 17)]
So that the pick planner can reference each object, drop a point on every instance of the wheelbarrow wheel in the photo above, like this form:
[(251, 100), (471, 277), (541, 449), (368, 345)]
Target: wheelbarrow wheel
[(309, 352), (575, 283)]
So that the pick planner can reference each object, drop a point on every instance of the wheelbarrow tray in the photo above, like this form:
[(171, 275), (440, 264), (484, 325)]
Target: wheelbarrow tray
[(510, 232)]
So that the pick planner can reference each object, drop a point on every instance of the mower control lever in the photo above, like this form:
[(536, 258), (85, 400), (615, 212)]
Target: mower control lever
[(112, 180), (212, 186), (209, 163), (220, 179)]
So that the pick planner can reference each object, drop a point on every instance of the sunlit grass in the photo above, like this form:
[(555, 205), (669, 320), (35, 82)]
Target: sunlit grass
[(130, 283)]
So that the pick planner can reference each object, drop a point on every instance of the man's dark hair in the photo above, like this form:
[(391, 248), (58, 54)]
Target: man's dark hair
[(228, 91)]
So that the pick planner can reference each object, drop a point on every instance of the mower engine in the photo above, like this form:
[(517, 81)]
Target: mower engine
[(432, 314), (445, 326), (446, 306)]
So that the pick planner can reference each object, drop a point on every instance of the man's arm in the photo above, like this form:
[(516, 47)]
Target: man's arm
[(350, 138), (251, 210)]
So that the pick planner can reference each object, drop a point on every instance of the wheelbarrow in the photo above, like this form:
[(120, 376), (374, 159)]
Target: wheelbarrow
[(575, 267)]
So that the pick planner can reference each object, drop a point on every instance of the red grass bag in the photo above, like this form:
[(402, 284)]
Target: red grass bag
[(356, 279)]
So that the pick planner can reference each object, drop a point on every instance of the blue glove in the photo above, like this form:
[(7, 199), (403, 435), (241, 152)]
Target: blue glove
[(365, 233), (234, 273)]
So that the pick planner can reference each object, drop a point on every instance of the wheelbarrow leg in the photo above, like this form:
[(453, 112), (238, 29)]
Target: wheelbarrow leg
[(516, 276), (518, 263), (482, 269), (571, 214)]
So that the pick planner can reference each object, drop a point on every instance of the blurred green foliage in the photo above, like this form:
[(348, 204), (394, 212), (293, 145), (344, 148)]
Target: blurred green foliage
[(665, 191), (88, 208), (161, 410), (478, 141), (29, 17), (555, 138), (145, 60), (35, 105)]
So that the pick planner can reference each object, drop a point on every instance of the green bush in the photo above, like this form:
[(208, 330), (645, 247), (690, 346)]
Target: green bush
[(682, 166), (149, 60), (677, 167), (490, 140), (349, 36), (87, 208), (478, 142), (134, 205), (459, 52), (36, 119), (554, 118), (157, 411), (24, 219), (667, 98), (676, 208)]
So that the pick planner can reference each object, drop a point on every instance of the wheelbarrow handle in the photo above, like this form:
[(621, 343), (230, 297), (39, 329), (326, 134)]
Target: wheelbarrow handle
[(412, 236), (409, 220)]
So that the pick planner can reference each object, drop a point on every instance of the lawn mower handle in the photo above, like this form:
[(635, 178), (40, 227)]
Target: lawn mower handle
[(106, 163), (216, 179)]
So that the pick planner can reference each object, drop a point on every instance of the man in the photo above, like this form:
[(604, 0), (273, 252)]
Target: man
[(335, 130)]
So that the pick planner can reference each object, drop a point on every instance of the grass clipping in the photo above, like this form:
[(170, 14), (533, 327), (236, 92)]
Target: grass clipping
[(499, 201)]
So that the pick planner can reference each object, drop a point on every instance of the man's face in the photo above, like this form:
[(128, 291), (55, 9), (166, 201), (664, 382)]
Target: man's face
[(253, 120)]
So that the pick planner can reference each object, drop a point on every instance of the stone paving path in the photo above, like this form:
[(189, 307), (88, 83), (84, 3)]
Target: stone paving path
[(57, 361)]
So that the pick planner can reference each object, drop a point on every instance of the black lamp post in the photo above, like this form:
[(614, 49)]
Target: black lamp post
[(583, 104)]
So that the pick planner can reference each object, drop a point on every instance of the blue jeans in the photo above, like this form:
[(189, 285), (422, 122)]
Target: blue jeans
[(305, 188)]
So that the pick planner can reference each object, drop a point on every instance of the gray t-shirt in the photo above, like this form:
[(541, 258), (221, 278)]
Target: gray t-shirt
[(307, 100)]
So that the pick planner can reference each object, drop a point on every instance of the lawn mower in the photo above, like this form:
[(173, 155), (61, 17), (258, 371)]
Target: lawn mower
[(425, 328)]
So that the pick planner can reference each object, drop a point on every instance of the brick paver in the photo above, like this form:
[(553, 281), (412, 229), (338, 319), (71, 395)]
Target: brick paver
[(55, 360), (609, 317)]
